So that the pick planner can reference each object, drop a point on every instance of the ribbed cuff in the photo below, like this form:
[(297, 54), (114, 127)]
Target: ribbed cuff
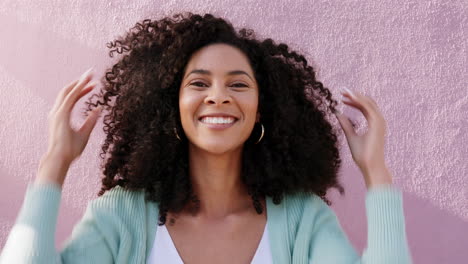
[(386, 221), (40, 210)]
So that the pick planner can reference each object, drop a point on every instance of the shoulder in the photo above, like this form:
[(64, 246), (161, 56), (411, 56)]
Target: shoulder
[(119, 201), (306, 212), (301, 202), (117, 215), (116, 210), (301, 216), (112, 223)]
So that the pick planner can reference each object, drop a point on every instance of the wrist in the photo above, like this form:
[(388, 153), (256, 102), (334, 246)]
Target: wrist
[(377, 175), (52, 169)]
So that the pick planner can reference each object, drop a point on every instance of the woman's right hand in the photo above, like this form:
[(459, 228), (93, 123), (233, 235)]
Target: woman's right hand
[(66, 144)]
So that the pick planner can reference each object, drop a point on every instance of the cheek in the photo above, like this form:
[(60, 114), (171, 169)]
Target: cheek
[(188, 104), (250, 105)]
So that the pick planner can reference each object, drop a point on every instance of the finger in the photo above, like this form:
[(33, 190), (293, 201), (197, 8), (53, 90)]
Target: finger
[(362, 103), (62, 95), (73, 96), (355, 100), (347, 126), (87, 89), (374, 105), (90, 121), (371, 101), (353, 123), (84, 91)]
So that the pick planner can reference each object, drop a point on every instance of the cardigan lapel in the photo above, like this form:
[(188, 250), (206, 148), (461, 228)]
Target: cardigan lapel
[(277, 226), (152, 219), (277, 229)]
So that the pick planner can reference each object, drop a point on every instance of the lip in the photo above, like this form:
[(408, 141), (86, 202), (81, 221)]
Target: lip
[(218, 115), (218, 126)]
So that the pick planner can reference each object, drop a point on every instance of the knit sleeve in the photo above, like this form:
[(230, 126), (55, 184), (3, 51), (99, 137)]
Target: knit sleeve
[(32, 238), (386, 242)]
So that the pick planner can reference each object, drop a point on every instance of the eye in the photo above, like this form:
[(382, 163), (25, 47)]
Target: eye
[(239, 85), (198, 84)]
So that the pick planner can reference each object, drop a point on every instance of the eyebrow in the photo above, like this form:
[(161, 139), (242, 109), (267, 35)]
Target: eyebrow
[(207, 72)]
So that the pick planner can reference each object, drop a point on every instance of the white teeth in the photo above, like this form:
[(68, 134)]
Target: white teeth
[(218, 120)]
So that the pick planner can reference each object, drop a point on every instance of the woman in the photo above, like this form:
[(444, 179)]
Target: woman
[(219, 151)]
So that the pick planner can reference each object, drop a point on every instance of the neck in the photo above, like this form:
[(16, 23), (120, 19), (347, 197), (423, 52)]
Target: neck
[(216, 180)]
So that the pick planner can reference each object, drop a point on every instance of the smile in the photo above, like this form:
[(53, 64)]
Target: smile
[(218, 120), (218, 123)]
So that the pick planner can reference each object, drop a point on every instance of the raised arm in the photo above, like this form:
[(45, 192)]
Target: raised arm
[(386, 235), (387, 241), (32, 238)]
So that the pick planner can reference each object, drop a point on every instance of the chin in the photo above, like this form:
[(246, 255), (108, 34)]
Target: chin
[(217, 147)]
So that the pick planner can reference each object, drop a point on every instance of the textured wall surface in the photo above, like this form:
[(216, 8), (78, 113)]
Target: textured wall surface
[(411, 56)]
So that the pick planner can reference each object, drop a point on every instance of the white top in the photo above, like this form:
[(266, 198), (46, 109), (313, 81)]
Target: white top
[(164, 250)]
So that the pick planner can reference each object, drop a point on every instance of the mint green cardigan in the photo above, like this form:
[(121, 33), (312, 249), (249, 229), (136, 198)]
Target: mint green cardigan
[(120, 227)]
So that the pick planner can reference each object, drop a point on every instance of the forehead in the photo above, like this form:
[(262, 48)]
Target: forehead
[(219, 58)]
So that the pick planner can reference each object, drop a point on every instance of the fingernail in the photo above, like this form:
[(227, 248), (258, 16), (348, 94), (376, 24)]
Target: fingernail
[(98, 109), (86, 73), (345, 100), (93, 83), (349, 91)]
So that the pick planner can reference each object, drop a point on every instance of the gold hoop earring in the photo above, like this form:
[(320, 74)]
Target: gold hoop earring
[(177, 135), (261, 136)]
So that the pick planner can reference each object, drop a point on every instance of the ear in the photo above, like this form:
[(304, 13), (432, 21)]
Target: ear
[(258, 117)]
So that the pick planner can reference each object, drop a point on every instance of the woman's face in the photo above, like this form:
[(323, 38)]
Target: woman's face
[(218, 99)]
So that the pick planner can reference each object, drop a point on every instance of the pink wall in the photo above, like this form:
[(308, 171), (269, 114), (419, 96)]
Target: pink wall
[(411, 56)]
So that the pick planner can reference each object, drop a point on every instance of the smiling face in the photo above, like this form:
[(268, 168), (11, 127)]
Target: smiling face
[(218, 99)]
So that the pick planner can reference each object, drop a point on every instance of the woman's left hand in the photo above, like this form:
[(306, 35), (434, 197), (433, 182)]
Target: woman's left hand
[(367, 149)]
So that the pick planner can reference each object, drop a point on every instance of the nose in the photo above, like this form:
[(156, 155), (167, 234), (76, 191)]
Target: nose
[(218, 95)]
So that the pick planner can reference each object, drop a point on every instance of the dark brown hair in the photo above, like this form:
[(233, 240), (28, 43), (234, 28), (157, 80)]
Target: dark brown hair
[(140, 93)]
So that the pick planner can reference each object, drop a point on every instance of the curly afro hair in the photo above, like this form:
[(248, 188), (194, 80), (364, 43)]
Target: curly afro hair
[(298, 152)]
